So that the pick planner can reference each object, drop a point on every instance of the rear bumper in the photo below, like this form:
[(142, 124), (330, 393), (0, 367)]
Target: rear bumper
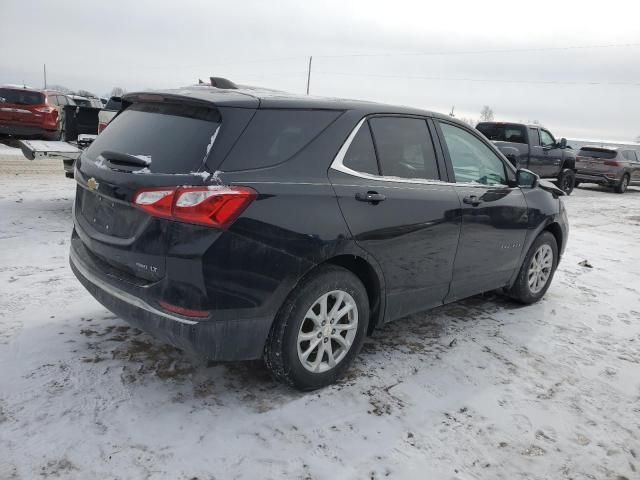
[(599, 178), (221, 340), (17, 130)]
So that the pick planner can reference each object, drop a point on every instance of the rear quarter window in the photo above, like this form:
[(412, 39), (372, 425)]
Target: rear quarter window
[(274, 136), (503, 133)]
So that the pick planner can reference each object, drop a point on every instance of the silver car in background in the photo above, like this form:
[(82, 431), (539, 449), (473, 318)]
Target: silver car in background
[(608, 166)]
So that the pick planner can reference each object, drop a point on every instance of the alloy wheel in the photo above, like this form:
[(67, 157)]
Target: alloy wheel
[(540, 268), (327, 331)]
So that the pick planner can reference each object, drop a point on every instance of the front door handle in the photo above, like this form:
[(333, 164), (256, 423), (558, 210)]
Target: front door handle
[(472, 200), (371, 197)]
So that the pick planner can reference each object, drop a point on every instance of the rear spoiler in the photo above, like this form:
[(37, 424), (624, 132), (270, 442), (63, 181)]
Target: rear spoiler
[(41, 150)]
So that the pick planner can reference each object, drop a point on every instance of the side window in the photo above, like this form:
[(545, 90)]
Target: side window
[(404, 147), (62, 100), (534, 137), (361, 155), (52, 100), (629, 155), (546, 139), (473, 161)]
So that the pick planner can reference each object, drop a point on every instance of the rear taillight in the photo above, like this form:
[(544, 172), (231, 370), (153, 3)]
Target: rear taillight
[(101, 126), (612, 163), (217, 206)]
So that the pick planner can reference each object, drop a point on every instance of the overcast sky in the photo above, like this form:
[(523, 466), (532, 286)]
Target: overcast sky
[(431, 55)]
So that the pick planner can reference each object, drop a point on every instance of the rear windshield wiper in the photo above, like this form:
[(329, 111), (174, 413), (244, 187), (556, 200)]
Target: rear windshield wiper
[(126, 159)]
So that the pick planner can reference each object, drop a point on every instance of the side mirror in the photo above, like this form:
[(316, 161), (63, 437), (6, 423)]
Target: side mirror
[(563, 143), (526, 178)]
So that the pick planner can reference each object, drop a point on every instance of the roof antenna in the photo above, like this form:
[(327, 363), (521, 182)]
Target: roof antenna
[(452, 109), (220, 82)]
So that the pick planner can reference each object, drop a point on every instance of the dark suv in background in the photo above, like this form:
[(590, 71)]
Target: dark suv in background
[(534, 147), (608, 166), (243, 224)]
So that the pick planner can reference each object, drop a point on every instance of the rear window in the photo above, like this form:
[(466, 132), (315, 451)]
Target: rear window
[(20, 97), (597, 153), (503, 133), (274, 136), (114, 103), (175, 138)]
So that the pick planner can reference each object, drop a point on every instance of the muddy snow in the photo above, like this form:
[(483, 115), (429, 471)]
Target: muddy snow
[(480, 389)]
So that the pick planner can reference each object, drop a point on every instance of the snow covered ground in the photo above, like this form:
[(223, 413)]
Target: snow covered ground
[(481, 389)]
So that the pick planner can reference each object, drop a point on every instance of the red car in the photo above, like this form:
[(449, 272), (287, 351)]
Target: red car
[(30, 113)]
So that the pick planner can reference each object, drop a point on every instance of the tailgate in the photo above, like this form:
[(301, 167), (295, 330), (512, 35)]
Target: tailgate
[(22, 115), (148, 146), (595, 160), (21, 106)]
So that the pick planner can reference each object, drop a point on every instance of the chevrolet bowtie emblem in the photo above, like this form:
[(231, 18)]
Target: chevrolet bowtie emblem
[(92, 184)]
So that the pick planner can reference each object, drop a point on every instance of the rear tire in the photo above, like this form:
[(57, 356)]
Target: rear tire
[(567, 181), (303, 350), (576, 184), (537, 270), (624, 183)]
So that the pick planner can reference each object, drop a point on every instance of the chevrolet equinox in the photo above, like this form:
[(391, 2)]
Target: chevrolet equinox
[(244, 224)]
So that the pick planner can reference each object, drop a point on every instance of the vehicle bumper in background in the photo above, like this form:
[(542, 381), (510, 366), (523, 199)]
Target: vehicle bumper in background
[(224, 340), (24, 131), (599, 178)]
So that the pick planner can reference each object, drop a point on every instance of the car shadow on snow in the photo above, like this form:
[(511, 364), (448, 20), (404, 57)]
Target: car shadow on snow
[(139, 359), (592, 187)]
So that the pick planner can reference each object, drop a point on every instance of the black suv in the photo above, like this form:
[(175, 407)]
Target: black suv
[(245, 224)]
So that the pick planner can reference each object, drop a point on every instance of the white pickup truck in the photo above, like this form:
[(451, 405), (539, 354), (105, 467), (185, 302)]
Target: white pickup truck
[(108, 112)]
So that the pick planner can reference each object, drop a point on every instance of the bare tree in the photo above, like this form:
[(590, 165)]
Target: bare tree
[(86, 93), (60, 88), (117, 92), (486, 114), (469, 121)]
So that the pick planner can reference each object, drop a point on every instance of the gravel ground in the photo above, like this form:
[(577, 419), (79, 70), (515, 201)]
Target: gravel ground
[(480, 389)]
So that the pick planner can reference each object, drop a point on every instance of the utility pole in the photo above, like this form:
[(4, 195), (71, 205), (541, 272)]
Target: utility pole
[(309, 74), (45, 76)]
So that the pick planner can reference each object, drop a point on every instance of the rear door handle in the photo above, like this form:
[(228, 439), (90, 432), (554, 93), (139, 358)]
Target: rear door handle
[(472, 200), (371, 197)]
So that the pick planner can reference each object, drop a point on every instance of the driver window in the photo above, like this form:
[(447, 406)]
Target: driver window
[(404, 147), (473, 161), (546, 139)]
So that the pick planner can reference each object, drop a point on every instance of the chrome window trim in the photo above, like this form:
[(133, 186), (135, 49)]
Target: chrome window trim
[(338, 165)]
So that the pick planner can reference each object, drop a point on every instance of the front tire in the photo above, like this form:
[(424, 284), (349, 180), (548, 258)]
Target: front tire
[(537, 270), (319, 329), (624, 183), (567, 181)]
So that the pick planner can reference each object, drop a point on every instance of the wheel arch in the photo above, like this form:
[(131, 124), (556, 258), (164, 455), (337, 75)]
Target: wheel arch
[(372, 281), (556, 230)]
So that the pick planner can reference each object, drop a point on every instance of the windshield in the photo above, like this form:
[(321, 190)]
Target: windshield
[(173, 138), (503, 133), (20, 97)]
